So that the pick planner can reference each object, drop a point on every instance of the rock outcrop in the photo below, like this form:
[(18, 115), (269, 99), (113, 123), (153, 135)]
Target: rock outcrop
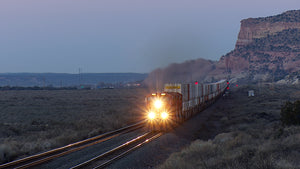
[(255, 28), (266, 47)]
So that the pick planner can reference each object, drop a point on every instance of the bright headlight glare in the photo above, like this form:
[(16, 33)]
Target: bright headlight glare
[(151, 115), (158, 104), (164, 115)]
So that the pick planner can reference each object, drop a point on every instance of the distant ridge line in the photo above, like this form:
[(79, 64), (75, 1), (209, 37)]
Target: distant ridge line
[(67, 79)]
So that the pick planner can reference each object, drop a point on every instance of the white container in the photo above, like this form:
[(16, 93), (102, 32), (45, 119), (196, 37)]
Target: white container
[(185, 106), (251, 93)]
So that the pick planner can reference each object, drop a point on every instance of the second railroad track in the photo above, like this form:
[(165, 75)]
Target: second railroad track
[(44, 157)]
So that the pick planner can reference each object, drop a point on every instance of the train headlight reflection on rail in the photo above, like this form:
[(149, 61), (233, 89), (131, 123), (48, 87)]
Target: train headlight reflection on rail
[(151, 115), (164, 115), (158, 104)]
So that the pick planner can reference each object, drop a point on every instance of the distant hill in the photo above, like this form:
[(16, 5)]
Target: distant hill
[(63, 79), (267, 48)]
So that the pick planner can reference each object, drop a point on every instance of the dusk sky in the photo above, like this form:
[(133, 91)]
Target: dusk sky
[(101, 36)]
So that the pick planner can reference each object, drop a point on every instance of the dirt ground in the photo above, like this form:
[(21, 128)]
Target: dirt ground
[(236, 132)]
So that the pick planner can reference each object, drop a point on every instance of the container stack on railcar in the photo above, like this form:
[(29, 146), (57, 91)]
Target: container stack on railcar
[(180, 101)]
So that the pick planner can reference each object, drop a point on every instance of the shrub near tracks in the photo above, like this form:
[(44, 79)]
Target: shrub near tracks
[(252, 137), (290, 113), (35, 121)]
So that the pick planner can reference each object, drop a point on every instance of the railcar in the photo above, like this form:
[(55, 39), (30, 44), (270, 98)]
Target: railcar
[(179, 102)]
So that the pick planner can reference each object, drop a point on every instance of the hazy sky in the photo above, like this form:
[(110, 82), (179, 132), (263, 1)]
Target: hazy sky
[(121, 35)]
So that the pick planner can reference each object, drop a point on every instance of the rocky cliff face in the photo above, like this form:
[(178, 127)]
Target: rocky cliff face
[(265, 46), (255, 28)]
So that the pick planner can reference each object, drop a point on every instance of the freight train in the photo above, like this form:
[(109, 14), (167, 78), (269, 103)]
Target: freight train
[(179, 102)]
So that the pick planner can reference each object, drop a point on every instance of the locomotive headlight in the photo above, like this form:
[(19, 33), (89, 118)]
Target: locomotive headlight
[(151, 115), (158, 104), (164, 115)]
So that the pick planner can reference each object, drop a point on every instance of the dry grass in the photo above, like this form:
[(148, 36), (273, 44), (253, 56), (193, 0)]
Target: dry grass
[(240, 150), (35, 121), (254, 137)]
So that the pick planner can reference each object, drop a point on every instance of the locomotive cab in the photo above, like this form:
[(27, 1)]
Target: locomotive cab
[(158, 106), (161, 110)]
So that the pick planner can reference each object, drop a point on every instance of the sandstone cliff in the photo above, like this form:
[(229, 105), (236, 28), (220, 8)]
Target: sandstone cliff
[(255, 28), (265, 46)]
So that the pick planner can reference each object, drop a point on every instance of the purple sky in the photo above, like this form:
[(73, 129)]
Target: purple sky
[(121, 35)]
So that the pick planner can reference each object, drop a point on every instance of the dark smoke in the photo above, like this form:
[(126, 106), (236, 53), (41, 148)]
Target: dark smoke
[(189, 71)]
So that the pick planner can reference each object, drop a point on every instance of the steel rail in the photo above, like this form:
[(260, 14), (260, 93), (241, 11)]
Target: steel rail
[(128, 151), (118, 148), (48, 155)]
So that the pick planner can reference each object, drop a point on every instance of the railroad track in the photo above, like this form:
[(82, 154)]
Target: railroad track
[(110, 156), (37, 159)]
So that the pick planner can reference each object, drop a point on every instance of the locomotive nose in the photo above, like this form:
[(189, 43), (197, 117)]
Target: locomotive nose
[(164, 115), (158, 104), (151, 115)]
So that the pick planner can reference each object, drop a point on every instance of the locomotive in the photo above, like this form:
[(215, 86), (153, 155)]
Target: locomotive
[(179, 102)]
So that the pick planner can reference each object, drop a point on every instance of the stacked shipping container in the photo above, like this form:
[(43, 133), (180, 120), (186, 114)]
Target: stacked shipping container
[(197, 94)]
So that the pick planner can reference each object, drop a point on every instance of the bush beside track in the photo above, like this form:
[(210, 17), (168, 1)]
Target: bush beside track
[(290, 113), (252, 135)]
